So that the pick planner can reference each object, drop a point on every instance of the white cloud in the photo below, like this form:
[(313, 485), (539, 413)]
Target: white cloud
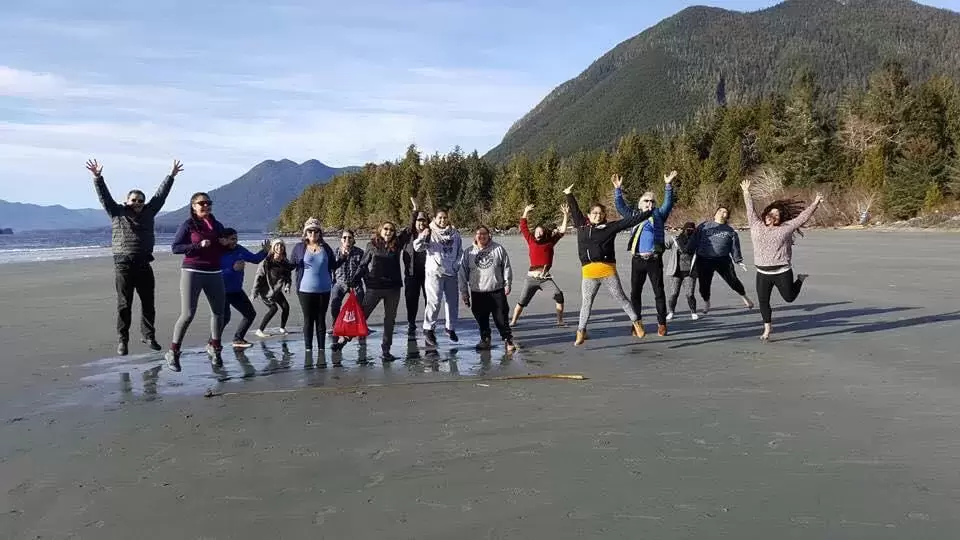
[(28, 84)]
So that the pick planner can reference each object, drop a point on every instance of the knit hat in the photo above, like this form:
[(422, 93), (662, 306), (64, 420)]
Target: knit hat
[(312, 223), (276, 241)]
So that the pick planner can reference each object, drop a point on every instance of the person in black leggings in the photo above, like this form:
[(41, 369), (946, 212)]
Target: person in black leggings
[(314, 260), (717, 248), (414, 272)]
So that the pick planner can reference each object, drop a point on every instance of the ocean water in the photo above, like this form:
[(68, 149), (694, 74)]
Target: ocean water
[(60, 245)]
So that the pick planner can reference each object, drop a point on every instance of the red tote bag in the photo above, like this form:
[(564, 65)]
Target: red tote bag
[(351, 323)]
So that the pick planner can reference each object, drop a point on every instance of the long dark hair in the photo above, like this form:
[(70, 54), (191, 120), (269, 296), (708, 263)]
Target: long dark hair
[(378, 241), (788, 209)]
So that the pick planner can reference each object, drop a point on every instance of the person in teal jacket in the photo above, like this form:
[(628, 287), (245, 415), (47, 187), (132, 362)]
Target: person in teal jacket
[(646, 243), (231, 264)]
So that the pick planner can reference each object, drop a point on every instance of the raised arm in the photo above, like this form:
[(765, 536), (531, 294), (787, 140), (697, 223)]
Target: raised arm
[(160, 197), (667, 205), (752, 219), (524, 228), (255, 258), (578, 218), (565, 210), (100, 185), (804, 216), (618, 201)]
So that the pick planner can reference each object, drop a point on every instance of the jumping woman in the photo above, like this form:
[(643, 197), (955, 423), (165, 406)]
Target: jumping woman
[(271, 282), (595, 244), (444, 248), (677, 264), (315, 262), (485, 279), (717, 248), (380, 270), (540, 245), (200, 240), (772, 236)]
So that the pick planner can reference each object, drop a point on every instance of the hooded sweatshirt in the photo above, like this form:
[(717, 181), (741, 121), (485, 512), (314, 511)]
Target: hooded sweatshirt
[(485, 269), (444, 249)]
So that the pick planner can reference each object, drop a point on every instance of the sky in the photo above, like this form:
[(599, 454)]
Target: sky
[(138, 84)]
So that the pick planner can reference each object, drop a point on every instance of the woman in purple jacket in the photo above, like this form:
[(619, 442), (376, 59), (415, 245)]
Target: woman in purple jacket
[(199, 240)]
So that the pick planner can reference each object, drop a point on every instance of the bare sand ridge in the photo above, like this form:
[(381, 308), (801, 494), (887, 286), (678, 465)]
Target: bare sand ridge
[(844, 427)]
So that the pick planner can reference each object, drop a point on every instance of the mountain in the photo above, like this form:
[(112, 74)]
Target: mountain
[(665, 74), (254, 201), (25, 217)]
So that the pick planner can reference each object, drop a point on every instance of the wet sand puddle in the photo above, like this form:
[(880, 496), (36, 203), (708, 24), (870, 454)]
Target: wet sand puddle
[(283, 364)]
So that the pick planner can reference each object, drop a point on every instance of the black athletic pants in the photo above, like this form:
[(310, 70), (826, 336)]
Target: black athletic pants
[(485, 304), (241, 302), (705, 268), (789, 289), (413, 290), (129, 278), (640, 270), (314, 307), (279, 301)]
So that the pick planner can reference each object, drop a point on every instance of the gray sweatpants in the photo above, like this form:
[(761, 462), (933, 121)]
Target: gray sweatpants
[(441, 289), (589, 288), (191, 284)]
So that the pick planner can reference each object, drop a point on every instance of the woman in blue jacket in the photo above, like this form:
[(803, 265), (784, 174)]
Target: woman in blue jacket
[(231, 264), (314, 262)]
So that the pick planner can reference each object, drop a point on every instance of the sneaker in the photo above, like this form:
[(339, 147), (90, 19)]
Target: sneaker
[(263, 335), (581, 337), (694, 316), (241, 344), (283, 332), (122, 348), (429, 338), (453, 336), (510, 345), (152, 343), (638, 329), (670, 316), (661, 330), (215, 354), (484, 344), (173, 360)]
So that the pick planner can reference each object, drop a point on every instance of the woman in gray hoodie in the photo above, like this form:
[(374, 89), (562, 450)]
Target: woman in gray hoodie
[(485, 279), (444, 249)]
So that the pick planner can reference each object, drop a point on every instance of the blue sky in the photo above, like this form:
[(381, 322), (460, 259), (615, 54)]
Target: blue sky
[(137, 84)]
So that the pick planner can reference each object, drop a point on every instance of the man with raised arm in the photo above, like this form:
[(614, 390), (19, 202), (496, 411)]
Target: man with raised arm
[(133, 238)]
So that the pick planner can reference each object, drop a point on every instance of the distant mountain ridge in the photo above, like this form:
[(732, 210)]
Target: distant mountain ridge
[(254, 200), (668, 72), (26, 217)]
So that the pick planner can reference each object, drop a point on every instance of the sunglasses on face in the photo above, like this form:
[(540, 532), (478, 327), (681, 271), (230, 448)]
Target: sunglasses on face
[(421, 220), (204, 204), (346, 238), (137, 201), (646, 200), (313, 231)]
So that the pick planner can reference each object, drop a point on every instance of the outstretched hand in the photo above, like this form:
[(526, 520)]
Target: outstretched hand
[(745, 186), (527, 209), (668, 178), (177, 169), (265, 246), (818, 199), (568, 190), (95, 168), (565, 209), (617, 181), (414, 203)]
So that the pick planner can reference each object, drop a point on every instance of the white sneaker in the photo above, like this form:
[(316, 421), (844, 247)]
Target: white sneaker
[(670, 316), (261, 334), (283, 332), (694, 316)]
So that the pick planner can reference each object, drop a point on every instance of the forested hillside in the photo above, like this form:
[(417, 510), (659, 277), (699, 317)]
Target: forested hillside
[(893, 146), (664, 75)]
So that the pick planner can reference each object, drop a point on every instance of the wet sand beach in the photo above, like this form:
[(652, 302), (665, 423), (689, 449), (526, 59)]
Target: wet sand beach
[(844, 426)]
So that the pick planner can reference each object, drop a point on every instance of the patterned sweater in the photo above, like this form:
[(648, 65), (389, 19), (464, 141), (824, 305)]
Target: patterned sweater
[(132, 233), (773, 246)]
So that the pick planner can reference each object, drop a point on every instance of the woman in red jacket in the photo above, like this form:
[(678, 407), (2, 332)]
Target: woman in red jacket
[(540, 244)]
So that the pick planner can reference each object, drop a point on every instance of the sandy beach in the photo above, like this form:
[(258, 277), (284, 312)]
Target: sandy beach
[(844, 426)]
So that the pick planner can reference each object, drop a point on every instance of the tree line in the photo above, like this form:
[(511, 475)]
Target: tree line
[(892, 147)]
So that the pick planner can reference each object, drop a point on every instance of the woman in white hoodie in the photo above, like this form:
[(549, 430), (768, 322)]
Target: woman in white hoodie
[(444, 248), (485, 280)]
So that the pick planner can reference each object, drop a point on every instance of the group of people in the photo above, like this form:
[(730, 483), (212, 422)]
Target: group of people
[(439, 268)]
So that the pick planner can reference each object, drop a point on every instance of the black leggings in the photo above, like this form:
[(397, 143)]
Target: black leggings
[(495, 303), (413, 290), (241, 302), (279, 302), (706, 266), (789, 289), (314, 306)]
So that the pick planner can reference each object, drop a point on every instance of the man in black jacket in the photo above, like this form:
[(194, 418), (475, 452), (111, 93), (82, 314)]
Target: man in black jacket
[(133, 238)]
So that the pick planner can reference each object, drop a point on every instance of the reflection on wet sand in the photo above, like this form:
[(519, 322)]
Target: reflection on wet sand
[(275, 365)]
